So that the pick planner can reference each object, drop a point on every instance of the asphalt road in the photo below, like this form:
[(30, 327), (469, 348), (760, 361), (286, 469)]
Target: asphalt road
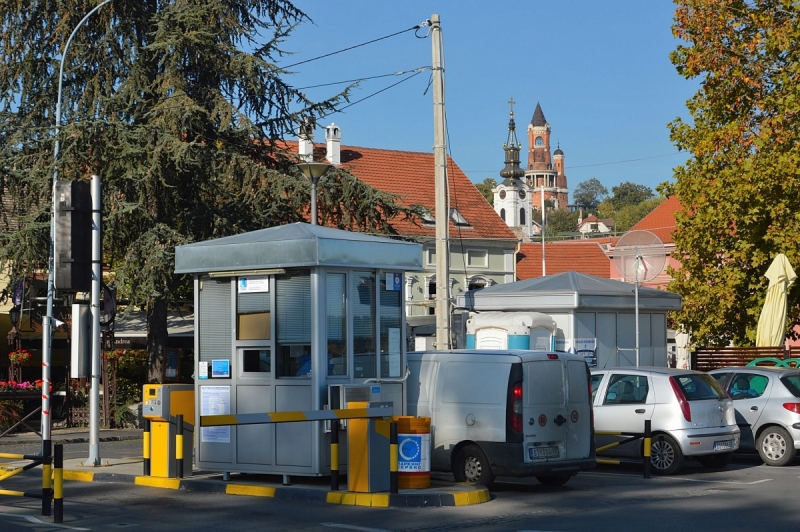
[(745, 496)]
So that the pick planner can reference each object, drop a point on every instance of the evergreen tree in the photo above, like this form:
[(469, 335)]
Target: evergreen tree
[(179, 107)]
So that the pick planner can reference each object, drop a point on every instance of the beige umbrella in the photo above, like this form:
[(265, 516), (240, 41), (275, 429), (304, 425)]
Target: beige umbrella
[(771, 329)]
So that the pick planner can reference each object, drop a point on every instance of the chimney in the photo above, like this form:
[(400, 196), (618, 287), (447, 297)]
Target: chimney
[(333, 140), (305, 140)]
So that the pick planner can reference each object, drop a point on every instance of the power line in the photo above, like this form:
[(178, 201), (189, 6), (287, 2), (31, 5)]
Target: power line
[(413, 28), (589, 165), (419, 69), (339, 110)]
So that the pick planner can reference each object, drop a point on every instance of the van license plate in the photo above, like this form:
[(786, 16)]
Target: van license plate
[(723, 445), (542, 452)]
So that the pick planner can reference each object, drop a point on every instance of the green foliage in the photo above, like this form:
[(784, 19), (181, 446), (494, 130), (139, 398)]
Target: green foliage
[(485, 189), (739, 188), (180, 108), (589, 193), (560, 221), (628, 193), (630, 215)]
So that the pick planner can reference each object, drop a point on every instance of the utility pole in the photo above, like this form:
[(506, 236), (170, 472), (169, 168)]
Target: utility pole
[(440, 179), (97, 272)]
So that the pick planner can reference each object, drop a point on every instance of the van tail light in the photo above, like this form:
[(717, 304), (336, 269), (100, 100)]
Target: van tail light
[(792, 407), (687, 411), (515, 413)]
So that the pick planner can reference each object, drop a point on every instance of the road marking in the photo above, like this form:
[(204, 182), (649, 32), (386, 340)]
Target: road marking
[(719, 481), (353, 527), (39, 522)]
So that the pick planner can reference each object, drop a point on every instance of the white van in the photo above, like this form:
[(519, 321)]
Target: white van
[(508, 413)]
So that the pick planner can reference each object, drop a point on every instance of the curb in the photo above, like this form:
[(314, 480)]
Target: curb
[(476, 495), (65, 440)]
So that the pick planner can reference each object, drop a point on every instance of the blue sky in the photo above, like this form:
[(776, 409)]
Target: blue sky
[(600, 70)]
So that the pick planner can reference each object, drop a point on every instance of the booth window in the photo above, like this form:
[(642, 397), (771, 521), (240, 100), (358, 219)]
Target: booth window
[(391, 343), (256, 361), (252, 316), (293, 323), (336, 305), (363, 303)]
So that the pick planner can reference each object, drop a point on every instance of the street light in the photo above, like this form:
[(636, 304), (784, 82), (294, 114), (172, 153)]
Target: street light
[(313, 172), (14, 337)]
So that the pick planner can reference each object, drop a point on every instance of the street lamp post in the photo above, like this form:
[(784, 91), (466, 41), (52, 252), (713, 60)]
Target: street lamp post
[(313, 172), (47, 326)]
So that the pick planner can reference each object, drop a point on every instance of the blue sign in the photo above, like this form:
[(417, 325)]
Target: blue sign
[(409, 453)]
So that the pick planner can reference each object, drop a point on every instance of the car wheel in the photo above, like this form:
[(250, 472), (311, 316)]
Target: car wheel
[(775, 446), (554, 480), (666, 456), (716, 461), (471, 465)]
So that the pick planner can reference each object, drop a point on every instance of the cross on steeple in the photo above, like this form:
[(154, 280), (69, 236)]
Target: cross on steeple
[(512, 102)]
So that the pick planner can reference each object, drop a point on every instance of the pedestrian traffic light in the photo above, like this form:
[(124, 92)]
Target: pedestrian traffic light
[(73, 245)]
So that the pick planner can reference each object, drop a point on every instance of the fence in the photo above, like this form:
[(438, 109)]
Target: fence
[(708, 358)]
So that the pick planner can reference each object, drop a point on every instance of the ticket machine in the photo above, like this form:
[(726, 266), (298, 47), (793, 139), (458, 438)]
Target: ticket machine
[(161, 405)]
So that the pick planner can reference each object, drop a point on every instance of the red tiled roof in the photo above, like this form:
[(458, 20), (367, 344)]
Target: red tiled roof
[(573, 255), (410, 175), (661, 220)]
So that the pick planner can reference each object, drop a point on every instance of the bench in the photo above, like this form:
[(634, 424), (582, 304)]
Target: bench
[(708, 358)]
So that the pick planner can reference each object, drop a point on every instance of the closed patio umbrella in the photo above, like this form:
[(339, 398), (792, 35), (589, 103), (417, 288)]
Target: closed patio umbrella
[(771, 329)]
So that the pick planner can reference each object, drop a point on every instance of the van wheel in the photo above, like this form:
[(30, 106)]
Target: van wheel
[(555, 480), (716, 461), (471, 465), (776, 446), (666, 456)]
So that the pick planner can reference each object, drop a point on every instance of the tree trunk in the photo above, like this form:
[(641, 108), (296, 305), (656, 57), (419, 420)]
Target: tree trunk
[(157, 335)]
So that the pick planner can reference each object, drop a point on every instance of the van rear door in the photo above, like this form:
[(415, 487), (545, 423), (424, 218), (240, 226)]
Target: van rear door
[(545, 417), (579, 425)]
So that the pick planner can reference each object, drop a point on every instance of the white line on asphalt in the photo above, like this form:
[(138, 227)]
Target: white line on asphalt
[(39, 522), (353, 527), (718, 481)]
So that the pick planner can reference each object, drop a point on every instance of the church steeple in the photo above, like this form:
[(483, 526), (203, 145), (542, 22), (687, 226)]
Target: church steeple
[(512, 148)]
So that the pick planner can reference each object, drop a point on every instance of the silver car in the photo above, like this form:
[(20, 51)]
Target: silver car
[(690, 415), (767, 402)]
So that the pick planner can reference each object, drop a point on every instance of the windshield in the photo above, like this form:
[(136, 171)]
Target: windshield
[(792, 383), (697, 387)]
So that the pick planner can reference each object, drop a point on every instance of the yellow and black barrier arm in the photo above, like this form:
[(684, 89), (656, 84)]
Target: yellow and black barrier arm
[(646, 437), (221, 420)]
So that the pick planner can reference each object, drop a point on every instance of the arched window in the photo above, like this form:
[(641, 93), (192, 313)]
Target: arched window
[(522, 216), (503, 214)]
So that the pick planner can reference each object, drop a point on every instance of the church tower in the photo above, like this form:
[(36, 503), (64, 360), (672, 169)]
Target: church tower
[(512, 195), (545, 174)]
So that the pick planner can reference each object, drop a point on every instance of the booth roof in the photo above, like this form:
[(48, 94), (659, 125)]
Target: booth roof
[(567, 290), (297, 245)]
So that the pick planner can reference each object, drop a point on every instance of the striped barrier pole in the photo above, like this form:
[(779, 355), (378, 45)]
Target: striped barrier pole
[(146, 448), (58, 484), (393, 457), (179, 446), (647, 447), (47, 492), (335, 455)]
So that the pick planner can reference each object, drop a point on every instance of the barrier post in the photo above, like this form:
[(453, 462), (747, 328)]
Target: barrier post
[(647, 447), (393, 457), (47, 456), (335, 455), (146, 448), (179, 446), (58, 484)]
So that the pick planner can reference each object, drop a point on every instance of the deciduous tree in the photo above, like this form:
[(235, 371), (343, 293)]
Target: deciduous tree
[(739, 188), (589, 193)]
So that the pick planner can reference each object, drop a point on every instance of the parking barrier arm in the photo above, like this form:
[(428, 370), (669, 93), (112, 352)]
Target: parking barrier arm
[(22, 469)]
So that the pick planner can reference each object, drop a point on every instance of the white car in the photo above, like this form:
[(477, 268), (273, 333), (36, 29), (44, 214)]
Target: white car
[(690, 415)]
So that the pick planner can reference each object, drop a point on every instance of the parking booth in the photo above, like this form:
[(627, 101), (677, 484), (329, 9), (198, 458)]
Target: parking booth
[(293, 318)]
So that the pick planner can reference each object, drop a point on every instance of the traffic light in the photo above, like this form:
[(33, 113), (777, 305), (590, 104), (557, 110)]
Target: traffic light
[(73, 245)]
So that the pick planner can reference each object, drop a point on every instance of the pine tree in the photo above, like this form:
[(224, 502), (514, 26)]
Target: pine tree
[(180, 108)]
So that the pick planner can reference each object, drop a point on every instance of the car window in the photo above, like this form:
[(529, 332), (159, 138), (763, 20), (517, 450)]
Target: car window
[(626, 389), (792, 383), (596, 384), (699, 386), (720, 377), (747, 386)]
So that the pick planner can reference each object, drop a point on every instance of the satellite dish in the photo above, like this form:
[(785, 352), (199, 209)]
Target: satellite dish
[(639, 257)]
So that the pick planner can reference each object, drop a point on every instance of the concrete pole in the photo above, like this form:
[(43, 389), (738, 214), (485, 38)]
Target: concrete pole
[(97, 273), (544, 269), (440, 180)]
